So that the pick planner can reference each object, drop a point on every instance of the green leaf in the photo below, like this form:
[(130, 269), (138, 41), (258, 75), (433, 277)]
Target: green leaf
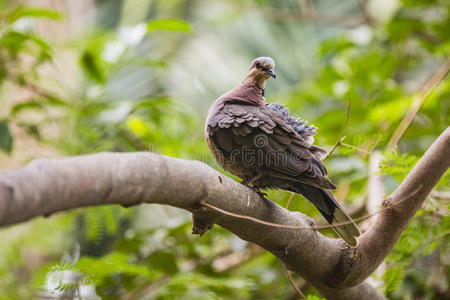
[(33, 104), (164, 261), (396, 163), (16, 42), (97, 269), (314, 297), (6, 138), (13, 42), (393, 278), (38, 104), (137, 126), (31, 129), (110, 220), (93, 229), (168, 24), (92, 66), (34, 12)]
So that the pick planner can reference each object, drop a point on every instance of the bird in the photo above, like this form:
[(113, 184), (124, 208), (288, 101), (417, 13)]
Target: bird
[(268, 148)]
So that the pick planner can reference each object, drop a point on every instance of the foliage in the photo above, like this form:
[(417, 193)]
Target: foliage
[(5, 137), (145, 82)]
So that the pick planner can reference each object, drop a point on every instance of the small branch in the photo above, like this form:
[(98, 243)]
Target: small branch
[(276, 225), (288, 205), (292, 282), (429, 86), (375, 189), (358, 149), (339, 141), (376, 243), (231, 260), (307, 9), (79, 292), (441, 195), (376, 192), (362, 4), (301, 285)]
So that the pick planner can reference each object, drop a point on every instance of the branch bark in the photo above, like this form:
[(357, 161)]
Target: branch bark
[(47, 186), (375, 244)]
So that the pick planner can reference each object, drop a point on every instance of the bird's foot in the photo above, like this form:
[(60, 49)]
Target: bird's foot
[(261, 194), (247, 181)]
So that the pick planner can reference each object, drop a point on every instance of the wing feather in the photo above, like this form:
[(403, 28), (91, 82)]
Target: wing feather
[(285, 154)]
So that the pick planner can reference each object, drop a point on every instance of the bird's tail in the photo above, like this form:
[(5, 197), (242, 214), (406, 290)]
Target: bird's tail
[(328, 206)]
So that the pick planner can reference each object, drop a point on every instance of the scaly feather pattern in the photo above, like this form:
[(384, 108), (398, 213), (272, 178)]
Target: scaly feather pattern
[(269, 148)]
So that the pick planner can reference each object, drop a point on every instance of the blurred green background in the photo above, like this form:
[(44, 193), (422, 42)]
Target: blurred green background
[(86, 76)]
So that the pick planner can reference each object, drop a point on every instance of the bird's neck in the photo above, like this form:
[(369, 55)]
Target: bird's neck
[(257, 81), (253, 90), (248, 91)]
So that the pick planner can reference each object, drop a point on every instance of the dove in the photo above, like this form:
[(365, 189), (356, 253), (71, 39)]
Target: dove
[(268, 148)]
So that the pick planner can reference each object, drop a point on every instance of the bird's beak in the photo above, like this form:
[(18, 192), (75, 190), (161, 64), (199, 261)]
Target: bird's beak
[(271, 73)]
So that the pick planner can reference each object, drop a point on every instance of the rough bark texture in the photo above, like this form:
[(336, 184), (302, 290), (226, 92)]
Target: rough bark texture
[(376, 243), (46, 186)]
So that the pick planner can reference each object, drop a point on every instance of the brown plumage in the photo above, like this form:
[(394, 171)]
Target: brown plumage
[(268, 148)]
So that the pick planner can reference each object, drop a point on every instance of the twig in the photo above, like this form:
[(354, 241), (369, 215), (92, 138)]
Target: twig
[(290, 200), (435, 277), (79, 292), (146, 289), (203, 203), (375, 195), (355, 148), (224, 263), (291, 281), (307, 9), (441, 195), (280, 225), (362, 4), (417, 104), (339, 141), (376, 189)]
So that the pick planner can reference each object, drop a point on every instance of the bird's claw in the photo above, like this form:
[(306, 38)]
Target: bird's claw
[(263, 195), (247, 181)]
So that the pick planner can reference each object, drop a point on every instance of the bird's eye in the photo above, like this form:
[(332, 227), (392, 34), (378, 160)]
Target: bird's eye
[(258, 65)]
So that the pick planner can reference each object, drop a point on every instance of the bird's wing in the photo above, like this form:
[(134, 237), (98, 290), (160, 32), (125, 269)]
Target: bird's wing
[(258, 136)]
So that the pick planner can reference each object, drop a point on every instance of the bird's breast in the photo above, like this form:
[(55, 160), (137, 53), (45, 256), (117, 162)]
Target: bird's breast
[(228, 163)]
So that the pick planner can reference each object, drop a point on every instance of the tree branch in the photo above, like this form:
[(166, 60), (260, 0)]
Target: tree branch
[(417, 104), (375, 244), (47, 186)]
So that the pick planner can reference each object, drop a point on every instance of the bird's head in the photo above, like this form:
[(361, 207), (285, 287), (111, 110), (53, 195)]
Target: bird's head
[(261, 69)]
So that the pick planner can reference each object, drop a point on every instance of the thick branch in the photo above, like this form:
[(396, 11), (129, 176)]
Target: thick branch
[(47, 186), (376, 243)]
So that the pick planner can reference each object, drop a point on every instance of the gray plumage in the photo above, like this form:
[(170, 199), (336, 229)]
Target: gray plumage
[(300, 126)]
